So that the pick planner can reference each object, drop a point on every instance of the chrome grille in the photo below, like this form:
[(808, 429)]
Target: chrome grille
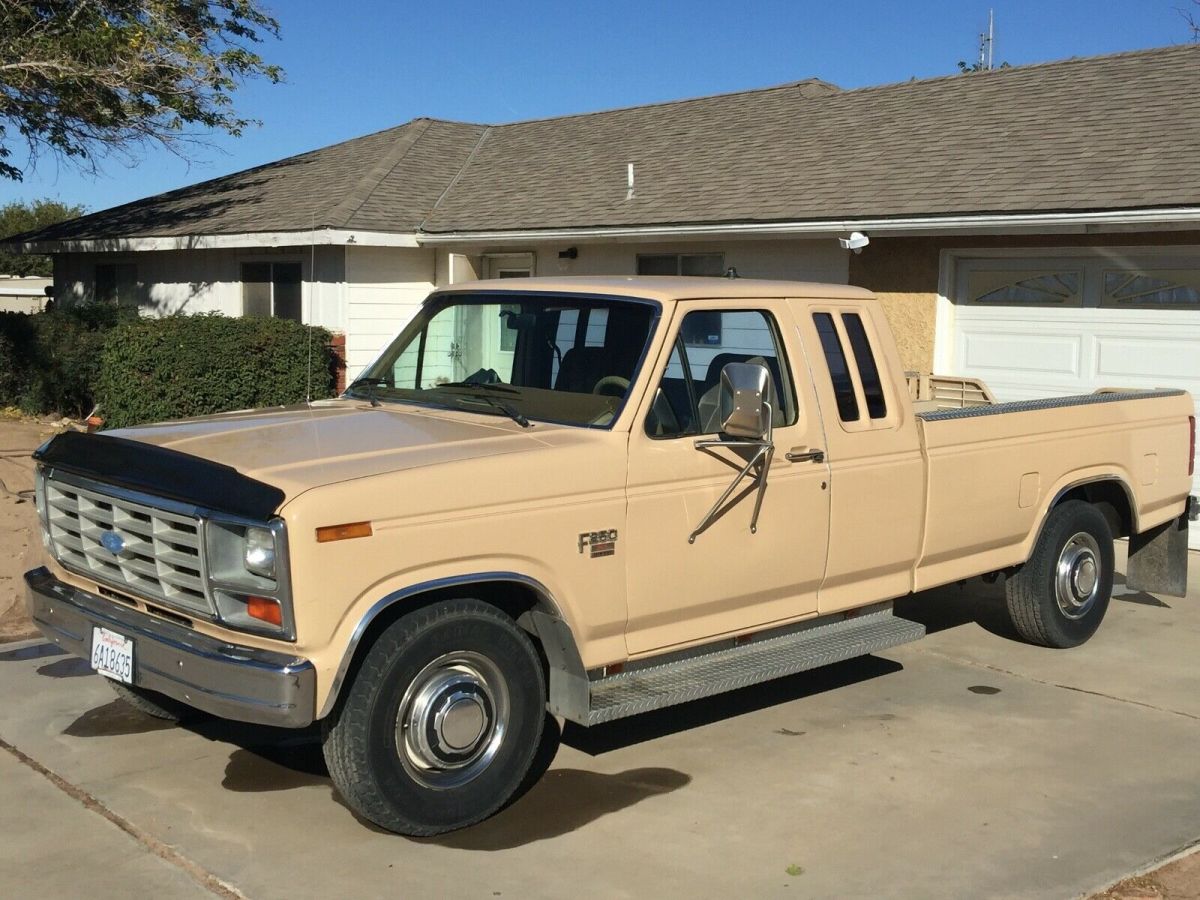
[(160, 558)]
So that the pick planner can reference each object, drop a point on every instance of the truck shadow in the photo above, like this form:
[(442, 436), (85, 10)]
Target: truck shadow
[(649, 726), (550, 802), (113, 719), (958, 604), (564, 800), (975, 600)]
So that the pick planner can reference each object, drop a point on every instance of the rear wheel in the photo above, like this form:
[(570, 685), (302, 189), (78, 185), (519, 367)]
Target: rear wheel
[(440, 725), (1059, 597)]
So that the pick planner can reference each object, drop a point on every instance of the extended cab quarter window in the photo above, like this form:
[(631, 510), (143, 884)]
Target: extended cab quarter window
[(868, 372), (685, 402), (854, 377), (839, 371)]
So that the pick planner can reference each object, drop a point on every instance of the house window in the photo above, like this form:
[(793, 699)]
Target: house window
[(271, 289), (1151, 288), (711, 264), (116, 284)]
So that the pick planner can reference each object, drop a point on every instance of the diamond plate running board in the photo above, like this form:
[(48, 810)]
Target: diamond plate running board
[(655, 687)]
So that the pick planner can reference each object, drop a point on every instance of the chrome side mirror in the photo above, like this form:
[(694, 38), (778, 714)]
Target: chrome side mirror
[(746, 401), (746, 405)]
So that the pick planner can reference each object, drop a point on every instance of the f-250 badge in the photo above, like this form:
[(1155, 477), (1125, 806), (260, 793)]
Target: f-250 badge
[(602, 543)]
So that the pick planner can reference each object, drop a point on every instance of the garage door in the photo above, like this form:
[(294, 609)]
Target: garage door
[(1049, 326)]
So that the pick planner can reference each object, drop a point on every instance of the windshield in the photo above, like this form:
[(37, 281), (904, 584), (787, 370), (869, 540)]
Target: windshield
[(566, 358)]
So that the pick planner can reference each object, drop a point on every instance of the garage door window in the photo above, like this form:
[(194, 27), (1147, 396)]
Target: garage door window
[(1025, 289), (1151, 289)]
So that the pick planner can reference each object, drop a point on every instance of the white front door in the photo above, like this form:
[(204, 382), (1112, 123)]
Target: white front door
[(1069, 323)]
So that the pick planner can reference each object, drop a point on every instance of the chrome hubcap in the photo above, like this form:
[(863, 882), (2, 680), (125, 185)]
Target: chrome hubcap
[(1077, 576), (452, 719)]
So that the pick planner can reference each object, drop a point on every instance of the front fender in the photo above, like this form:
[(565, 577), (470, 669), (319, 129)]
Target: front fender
[(548, 621)]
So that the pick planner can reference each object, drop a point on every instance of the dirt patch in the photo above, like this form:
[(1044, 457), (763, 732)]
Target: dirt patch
[(19, 538), (1178, 880)]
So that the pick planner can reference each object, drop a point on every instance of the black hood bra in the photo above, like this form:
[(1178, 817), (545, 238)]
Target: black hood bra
[(160, 472)]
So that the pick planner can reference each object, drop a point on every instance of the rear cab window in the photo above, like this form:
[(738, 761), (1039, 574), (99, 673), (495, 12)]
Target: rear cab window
[(850, 354)]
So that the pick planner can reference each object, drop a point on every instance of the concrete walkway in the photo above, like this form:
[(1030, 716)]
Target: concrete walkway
[(55, 846), (962, 766)]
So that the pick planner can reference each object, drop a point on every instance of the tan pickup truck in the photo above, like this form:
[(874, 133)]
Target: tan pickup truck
[(587, 498)]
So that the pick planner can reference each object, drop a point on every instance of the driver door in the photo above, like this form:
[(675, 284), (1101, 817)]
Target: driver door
[(728, 580)]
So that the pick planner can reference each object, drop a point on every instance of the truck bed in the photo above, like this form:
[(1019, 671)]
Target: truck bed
[(992, 471)]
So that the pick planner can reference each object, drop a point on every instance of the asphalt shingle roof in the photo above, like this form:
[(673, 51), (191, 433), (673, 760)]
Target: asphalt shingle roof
[(1114, 132), (384, 181)]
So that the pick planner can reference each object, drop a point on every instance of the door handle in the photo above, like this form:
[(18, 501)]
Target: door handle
[(817, 456)]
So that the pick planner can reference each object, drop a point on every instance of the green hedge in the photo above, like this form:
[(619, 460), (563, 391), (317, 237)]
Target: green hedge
[(50, 361), (148, 370), (157, 369)]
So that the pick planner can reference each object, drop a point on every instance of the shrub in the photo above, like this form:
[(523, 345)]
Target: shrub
[(157, 369), (49, 361)]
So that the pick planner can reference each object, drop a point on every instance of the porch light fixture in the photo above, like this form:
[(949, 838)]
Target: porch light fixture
[(855, 242)]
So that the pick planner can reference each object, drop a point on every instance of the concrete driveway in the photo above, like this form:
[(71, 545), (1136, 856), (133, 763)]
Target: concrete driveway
[(964, 765)]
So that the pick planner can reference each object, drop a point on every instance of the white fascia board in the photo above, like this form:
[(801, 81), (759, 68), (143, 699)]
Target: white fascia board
[(975, 224), (249, 240)]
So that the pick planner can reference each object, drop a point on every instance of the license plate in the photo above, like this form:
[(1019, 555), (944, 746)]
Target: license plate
[(112, 655)]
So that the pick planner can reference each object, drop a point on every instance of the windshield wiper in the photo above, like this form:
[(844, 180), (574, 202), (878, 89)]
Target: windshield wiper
[(507, 408), (486, 385), (371, 384)]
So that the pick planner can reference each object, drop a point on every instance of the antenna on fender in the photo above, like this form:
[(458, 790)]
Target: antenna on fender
[(312, 280)]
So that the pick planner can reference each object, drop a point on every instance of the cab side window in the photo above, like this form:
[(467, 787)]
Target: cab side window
[(685, 402), (855, 375)]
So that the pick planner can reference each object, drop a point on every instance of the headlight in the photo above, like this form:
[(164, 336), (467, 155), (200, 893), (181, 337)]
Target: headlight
[(248, 578), (259, 555)]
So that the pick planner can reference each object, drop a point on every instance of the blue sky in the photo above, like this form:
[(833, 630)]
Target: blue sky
[(357, 66)]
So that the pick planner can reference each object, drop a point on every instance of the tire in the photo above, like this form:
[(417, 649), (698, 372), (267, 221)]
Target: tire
[(1059, 597), (153, 703), (440, 725)]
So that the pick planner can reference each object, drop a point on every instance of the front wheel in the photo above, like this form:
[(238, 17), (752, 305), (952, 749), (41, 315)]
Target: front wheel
[(440, 725), (1059, 597)]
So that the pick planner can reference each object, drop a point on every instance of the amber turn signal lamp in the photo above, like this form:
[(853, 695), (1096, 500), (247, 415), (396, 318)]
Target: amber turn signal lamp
[(327, 533), (265, 609)]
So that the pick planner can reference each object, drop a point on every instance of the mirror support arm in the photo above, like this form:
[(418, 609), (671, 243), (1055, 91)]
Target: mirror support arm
[(760, 461)]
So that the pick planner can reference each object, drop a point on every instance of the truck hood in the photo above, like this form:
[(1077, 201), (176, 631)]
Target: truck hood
[(300, 447)]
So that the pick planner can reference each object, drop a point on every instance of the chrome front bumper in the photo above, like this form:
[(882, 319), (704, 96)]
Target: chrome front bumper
[(228, 680)]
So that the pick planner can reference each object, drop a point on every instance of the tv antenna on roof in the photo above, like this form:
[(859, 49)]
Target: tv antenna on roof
[(986, 43)]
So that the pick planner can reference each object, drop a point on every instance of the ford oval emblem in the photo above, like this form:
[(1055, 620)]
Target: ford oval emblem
[(112, 542)]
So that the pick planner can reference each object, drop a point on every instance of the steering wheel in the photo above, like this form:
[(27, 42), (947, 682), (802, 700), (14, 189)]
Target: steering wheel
[(611, 386)]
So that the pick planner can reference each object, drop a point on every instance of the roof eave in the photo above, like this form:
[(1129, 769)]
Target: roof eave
[(975, 223), (257, 239)]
